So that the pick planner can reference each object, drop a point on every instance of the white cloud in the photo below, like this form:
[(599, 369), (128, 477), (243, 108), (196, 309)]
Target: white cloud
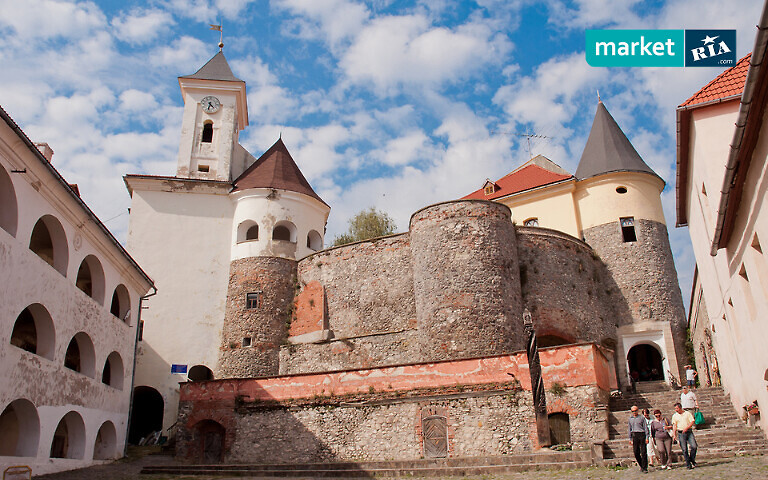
[(410, 148), (594, 13), (33, 20), (141, 26), (395, 50), (185, 54), (332, 20)]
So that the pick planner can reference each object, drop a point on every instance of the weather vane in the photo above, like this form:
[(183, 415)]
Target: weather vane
[(221, 34)]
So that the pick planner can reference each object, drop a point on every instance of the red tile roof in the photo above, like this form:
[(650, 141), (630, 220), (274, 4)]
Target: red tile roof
[(727, 84), (526, 178)]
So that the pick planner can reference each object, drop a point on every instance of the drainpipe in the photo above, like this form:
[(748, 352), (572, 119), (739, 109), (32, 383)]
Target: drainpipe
[(133, 372)]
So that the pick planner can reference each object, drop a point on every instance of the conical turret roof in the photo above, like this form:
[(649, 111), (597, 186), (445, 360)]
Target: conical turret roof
[(608, 149), (275, 169), (217, 68)]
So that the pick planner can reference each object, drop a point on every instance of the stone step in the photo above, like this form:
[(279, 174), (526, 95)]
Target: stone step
[(677, 458), (460, 466)]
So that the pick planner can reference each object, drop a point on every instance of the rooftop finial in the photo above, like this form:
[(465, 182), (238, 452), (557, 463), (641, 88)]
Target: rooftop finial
[(598, 97), (221, 35)]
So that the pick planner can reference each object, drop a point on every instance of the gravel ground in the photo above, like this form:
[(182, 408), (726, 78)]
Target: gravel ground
[(737, 468)]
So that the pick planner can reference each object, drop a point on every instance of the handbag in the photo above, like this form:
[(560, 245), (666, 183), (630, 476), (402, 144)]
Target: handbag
[(698, 418)]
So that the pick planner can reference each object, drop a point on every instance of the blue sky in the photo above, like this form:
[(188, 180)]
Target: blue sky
[(386, 103)]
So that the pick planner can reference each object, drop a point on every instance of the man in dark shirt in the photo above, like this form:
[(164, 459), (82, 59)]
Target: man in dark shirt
[(638, 438)]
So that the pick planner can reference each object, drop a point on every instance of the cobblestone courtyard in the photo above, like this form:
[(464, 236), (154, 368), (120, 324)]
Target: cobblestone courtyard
[(738, 468)]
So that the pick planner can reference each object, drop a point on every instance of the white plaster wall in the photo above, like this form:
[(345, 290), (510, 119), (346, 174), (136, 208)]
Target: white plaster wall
[(739, 335), (553, 206), (26, 279), (182, 240), (598, 202), (268, 209)]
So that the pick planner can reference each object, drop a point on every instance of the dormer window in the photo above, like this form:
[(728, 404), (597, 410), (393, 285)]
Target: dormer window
[(207, 132), (489, 188)]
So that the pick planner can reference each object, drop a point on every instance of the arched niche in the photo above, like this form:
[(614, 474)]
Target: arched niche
[(105, 446), (33, 331), (19, 429), (80, 355), (49, 242), (120, 306), (199, 373), (314, 240), (146, 413), (247, 230), (90, 278), (284, 231), (113, 373), (210, 436), (69, 437), (9, 208)]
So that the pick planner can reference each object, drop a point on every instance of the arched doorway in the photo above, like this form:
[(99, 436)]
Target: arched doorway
[(146, 413), (645, 363), (199, 373), (210, 435), (545, 341)]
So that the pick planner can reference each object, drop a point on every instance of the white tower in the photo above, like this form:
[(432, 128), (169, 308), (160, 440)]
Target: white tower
[(215, 110)]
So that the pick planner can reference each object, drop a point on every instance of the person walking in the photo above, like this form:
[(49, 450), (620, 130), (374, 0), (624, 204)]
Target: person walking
[(638, 438), (650, 446), (688, 399), (660, 433), (682, 423)]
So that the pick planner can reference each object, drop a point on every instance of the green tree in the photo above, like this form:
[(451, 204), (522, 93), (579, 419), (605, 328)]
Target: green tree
[(366, 224)]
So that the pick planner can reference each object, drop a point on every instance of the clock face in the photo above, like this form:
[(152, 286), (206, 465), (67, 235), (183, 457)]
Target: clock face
[(210, 104)]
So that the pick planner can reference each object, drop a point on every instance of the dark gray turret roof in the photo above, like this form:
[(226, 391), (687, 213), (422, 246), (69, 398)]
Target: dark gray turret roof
[(608, 149), (217, 68)]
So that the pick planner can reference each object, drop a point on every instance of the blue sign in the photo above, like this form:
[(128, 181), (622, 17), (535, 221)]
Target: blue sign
[(710, 48), (178, 368)]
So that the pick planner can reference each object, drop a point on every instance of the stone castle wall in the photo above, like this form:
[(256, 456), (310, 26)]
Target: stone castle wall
[(566, 287)]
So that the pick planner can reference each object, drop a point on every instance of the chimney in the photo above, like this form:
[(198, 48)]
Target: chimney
[(45, 149)]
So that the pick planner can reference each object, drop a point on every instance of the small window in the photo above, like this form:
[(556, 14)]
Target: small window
[(253, 300), (207, 132), (531, 222), (252, 233), (141, 330), (281, 233), (246, 341), (489, 189), (621, 190), (628, 229), (203, 168)]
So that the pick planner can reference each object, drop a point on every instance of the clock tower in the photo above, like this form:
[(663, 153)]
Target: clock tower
[(215, 111)]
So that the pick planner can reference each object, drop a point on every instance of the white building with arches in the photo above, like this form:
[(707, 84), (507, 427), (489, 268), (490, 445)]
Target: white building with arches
[(69, 307), (223, 205)]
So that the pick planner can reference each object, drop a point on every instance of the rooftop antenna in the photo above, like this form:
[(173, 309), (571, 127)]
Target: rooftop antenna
[(528, 137), (221, 34)]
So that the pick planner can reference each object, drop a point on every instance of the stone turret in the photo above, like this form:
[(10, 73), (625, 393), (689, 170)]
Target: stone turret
[(622, 219)]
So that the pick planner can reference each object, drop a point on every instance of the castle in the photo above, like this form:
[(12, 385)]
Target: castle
[(416, 336)]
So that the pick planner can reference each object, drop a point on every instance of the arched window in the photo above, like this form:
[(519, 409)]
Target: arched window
[(90, 278), (69, 437), (531, 222), (199, 373), (112, 374), (207, 132), (80, 355), (9, 213), (33, 331), (49, 242), (121, 304), (19, 429), (285, 231), (247, 230), (105, 447), (314, 240), (252, 233)]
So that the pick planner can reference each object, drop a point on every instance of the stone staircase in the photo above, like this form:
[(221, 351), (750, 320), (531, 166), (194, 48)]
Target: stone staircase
[(443, 467), (723, 435)]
